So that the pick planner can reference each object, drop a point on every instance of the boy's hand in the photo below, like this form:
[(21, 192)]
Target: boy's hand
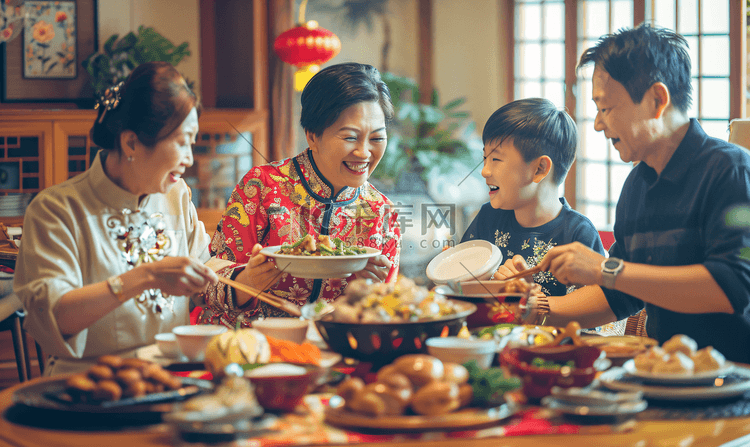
[(511, 266), (574, 263)]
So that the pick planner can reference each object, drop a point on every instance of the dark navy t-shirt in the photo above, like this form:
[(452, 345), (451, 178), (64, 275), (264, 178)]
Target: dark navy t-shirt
[(501, 228)]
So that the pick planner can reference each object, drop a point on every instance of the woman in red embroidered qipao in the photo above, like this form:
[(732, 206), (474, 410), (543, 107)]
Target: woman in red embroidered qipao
[(323, 190)]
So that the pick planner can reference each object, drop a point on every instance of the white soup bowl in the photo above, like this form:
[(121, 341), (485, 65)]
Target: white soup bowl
[(193, 339)]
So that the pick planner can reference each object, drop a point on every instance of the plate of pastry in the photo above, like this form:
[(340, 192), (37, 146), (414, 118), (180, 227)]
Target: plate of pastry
[(678, 362), (733, 384)]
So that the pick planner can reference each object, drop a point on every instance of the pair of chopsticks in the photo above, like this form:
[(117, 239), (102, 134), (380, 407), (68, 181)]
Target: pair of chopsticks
[(267, 298), (532, 271)]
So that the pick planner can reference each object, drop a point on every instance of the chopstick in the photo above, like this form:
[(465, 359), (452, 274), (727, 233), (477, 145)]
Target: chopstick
[(533, 270), (267, 298)]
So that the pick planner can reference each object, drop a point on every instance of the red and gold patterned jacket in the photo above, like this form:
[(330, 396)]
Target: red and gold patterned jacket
[(279, 203)]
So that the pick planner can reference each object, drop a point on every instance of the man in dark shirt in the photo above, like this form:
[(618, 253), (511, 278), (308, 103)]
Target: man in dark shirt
[(674, 252)]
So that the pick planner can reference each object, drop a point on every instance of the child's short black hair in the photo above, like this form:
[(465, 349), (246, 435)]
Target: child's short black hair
[(536, 127)]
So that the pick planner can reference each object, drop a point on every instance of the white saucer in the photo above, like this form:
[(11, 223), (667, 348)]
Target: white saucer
[(152, 353), (618, 409)]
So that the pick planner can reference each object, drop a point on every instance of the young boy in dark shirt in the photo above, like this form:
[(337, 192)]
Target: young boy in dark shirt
[(529, 145)]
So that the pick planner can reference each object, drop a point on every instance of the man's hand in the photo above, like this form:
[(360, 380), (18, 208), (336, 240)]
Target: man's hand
[(574, 263)]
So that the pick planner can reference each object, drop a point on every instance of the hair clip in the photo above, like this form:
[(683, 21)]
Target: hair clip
[(109, 100)]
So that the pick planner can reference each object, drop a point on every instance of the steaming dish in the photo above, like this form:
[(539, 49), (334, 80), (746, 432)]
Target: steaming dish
[(400, 301), (323, 246)]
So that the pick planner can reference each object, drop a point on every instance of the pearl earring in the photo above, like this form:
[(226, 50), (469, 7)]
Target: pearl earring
[(130, 158)]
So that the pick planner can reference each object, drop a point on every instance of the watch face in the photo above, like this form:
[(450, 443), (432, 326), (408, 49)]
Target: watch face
[(611, 264)]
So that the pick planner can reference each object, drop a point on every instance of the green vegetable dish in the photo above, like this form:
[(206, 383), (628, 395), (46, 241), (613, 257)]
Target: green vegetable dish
[(323, 246), (539, 362)]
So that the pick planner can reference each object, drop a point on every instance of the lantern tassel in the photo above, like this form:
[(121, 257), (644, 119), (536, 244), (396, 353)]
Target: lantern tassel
[(302, 7)]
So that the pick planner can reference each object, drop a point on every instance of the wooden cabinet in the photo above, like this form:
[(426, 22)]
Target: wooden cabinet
[(40, 148)]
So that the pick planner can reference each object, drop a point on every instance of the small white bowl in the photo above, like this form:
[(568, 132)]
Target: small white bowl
[(477, 259), (461, 350), (292, 329), (167, 344), (193, 339)]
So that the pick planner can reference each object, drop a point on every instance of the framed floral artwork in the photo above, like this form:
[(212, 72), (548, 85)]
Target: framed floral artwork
[(49, 43), (43, 62)]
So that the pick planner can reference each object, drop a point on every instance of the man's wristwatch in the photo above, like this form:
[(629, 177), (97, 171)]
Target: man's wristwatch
[(115, 285), (611, 267)]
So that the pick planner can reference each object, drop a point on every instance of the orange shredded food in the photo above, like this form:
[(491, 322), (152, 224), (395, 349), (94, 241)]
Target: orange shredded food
[(285, 351)]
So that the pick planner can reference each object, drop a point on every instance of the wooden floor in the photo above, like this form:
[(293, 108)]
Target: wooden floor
[(8, 370)]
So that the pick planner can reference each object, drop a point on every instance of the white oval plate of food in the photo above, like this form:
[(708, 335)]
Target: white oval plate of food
[(734, 384), (702, 377), (320, 267)]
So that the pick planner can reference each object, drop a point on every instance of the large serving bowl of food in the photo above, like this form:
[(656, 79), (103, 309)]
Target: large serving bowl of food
[(320, 258), (376, 323)]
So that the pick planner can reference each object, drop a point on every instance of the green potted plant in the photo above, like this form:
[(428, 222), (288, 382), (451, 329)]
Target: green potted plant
[(429, 140), (119, 57)]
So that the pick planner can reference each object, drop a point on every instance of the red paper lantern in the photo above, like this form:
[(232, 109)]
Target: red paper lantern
[(306, 47)]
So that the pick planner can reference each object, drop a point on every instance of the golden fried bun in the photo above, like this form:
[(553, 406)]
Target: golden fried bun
[(676, 363), (708, 359), (681, 343), (645, 361)]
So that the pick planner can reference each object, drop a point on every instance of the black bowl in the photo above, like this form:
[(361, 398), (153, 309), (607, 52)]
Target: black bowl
[(381, 343)]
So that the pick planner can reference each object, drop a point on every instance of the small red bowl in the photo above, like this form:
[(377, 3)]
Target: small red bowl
[(538, 382), (285, 392)]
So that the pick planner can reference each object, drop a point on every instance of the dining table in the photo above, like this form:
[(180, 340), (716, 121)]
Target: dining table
[(532, 426)]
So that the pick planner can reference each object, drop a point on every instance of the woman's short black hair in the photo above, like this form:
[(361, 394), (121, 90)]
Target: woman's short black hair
[(333, 89), (154, 101), (639, 57), (535, 127)]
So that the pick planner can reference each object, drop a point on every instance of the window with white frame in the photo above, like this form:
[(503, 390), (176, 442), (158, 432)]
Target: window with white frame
[(540, 70)]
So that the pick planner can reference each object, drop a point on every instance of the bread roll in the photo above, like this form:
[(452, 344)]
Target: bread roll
[(107, 390), (465, 395), (128, 376), (436, 398), (349, 388), (675, 363), (80, 386), (708, 359), (421, 369), (456, 373), (680, 343), (101, 372), (113, 361), (397, 381), (368, 403), (395, 401), (645, 361), (135, 389)]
